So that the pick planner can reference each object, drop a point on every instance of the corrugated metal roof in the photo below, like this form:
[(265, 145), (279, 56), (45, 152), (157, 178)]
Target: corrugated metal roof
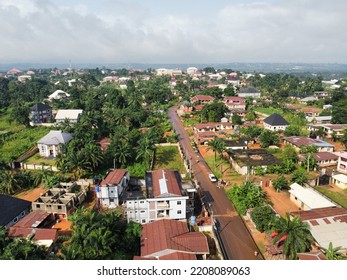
[(55, 137), (33, 219), (114, 177)]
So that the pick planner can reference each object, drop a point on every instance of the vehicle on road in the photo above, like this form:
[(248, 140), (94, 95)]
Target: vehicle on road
[(212, 177), (196, 150)]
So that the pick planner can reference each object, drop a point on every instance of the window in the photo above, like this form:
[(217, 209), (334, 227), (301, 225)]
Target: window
[(38, 206), (15, 220), (22, 214), (129, 202), (142, 202), (111, 200), (143, 221), (179, 202), (142, 211), (179, 212), (59, 207)]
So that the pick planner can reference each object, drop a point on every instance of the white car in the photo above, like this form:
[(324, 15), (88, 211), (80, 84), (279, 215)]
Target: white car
[(212, 177)]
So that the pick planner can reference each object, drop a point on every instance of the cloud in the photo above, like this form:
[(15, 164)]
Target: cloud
[(131, 31)]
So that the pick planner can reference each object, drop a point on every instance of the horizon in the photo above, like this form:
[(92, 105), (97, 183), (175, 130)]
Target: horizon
[(174, 32)]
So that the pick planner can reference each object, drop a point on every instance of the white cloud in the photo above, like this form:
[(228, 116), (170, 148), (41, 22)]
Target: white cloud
[(129, 31)]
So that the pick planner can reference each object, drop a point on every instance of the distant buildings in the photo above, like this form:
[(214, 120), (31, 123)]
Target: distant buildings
[(249, 92), (40, 113), (72, 115)]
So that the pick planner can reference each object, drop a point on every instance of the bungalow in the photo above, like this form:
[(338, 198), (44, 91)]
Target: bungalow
[(339, 180), (275, 122), (238, 144), (325, 159), (307, 198), (300, 141), (308, 99), (12, 209), (58, 94), (73, 115), (202, 138), (203, 127), (111, 188), (201, 99), (326, 225), (172, 240), (235, 102), (249, 92), (342, 162), (164, 199), (244, 161), (50, 145), (319, 119), (40, 113), (330, 129), (311, 112)]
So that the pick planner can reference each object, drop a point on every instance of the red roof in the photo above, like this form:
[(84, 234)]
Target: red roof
[(320, 213), (165, 182), (206, 125), (171, 235), (32, 220), (104, 142), (202, 98), (114, 177), (235, 99), (37, 233), (319, 256), (325, 156)]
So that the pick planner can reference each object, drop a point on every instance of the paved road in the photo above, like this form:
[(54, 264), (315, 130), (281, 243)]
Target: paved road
[(236, 239)]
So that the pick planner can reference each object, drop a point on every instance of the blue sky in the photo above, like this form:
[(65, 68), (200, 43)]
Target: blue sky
[(173, 31)]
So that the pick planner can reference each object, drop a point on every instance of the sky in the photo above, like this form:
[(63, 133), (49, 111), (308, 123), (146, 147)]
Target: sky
[(173, 31)]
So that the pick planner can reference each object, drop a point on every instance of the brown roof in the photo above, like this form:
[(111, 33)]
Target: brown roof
[(206, 134), (104, 142), (33, 219), (235, 99), (311, 256), (202, 98), (306, 141), (165, 182), (206, 125), (320, 213), (324, 156), (37, 233), (171, 235), (172, 256), (114, 177)]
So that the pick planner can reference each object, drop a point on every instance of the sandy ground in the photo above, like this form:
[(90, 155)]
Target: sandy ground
[(33, 194)]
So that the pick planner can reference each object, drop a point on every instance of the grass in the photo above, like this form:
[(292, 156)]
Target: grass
[(168, 157), (7, 125), (268, 111), (339, 197), (37, 159)]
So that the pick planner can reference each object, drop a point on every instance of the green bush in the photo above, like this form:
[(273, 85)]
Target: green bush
[(262, 216)]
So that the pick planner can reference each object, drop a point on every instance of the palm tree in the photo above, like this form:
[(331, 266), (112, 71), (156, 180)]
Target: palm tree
[(296, 233), (221, 148), (333, 253), (93, 155), (215, 145), (145, 149), (8, 182)]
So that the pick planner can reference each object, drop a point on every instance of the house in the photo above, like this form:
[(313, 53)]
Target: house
[(202, 138), (311, 112), (275, 122), (58, 94), (326, 225), (61, 200), (237, 144), (235, 102), (201, 99), (111, 188), (172, 240), (301, 141), (330, 130), (339, 180), (308, 99), (325, 159), (72, 115), (34, 226), (191, 71), (164, 199), (40, 113), (342, 162), (249, 92), (245, 161), (319, 119), (50, 145), (12, 209), (104, 142), (306, 198)]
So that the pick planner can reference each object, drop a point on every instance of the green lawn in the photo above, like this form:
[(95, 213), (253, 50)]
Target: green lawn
[(6, 125), (168, 157), (339, 197), (37, 159), (228, 173), (268, 111)]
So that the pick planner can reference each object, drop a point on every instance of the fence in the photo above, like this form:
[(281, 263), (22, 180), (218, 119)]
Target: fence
[(38, 167)]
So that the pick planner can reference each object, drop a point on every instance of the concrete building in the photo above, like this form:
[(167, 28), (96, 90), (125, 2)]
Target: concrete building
[(275, 122), (50, 145)]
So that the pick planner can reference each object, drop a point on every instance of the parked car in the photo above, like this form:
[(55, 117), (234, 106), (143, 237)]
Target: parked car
[(212, 177)]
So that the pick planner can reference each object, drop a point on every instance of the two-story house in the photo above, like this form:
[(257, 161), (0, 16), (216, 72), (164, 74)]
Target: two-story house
[(164, 198), (40, 113), (235, 102), (342, 162), (111, 188), (301, 141)]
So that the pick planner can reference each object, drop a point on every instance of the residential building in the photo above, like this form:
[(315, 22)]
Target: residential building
[(213, 126), (12, 209), (235, 102), (201, 99), (249, 92), (342, 162), (40, 113), (37, 226), (319, 119), (202, 138), (110, 189), (311, 112), (164, 199), (325, 159), (50, 145), (330, 130), (61, 200), (191, 71), (237, 144), (308, 99), (72, 115), (301, 141), (339, 180), (245, 161), (172, 240), (326, 225), (275, 122), (306, 198), (58, 94)]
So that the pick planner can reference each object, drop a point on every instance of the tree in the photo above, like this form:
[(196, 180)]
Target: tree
[(297, 235), (262, 216), (8, 182), (344, 138), (280, 183), (339, 112), (333, 253), (20, 114), (214, 111), (215, 145), (252, 131), (250, 116), (309, 163), (299, 176), (292, 130), (308, 149), (268, 138), (236, 119)]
